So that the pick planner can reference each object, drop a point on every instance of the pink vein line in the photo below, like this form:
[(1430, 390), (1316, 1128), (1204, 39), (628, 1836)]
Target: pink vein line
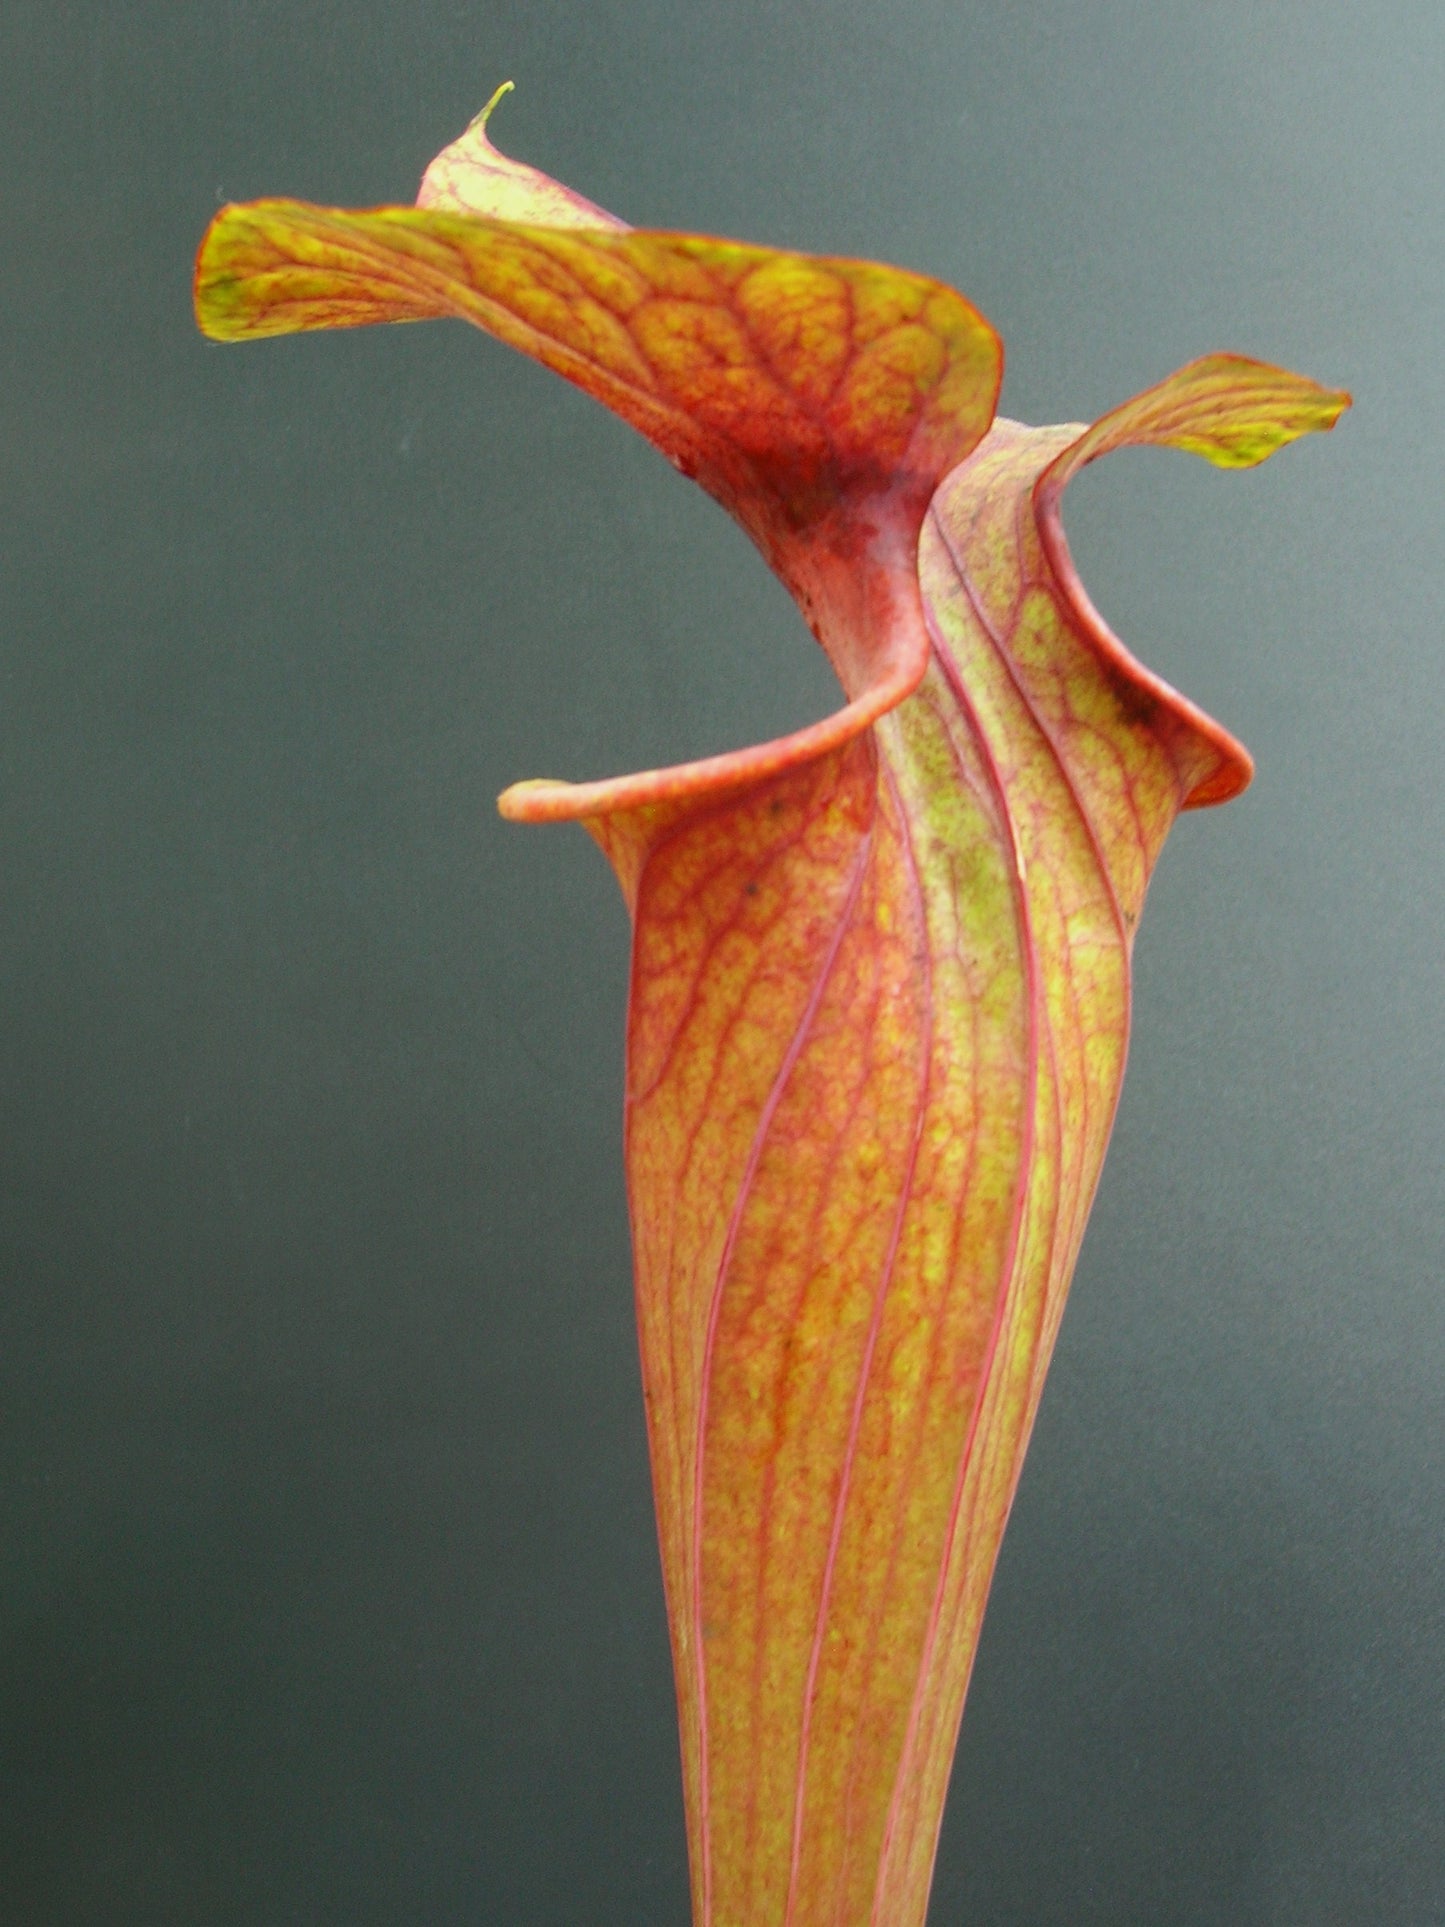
[(755, 1152), (1066, 775), (860, 1395), (1026, 1151), (1078, 1206)]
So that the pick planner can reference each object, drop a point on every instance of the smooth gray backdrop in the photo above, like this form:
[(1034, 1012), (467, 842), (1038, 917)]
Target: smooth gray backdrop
[(329, 1585)]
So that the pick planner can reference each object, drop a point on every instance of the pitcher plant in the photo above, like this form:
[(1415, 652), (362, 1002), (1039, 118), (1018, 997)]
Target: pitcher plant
[(880, 976)]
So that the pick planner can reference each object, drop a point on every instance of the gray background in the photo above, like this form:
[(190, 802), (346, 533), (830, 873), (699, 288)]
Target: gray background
[(329, 1587)]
